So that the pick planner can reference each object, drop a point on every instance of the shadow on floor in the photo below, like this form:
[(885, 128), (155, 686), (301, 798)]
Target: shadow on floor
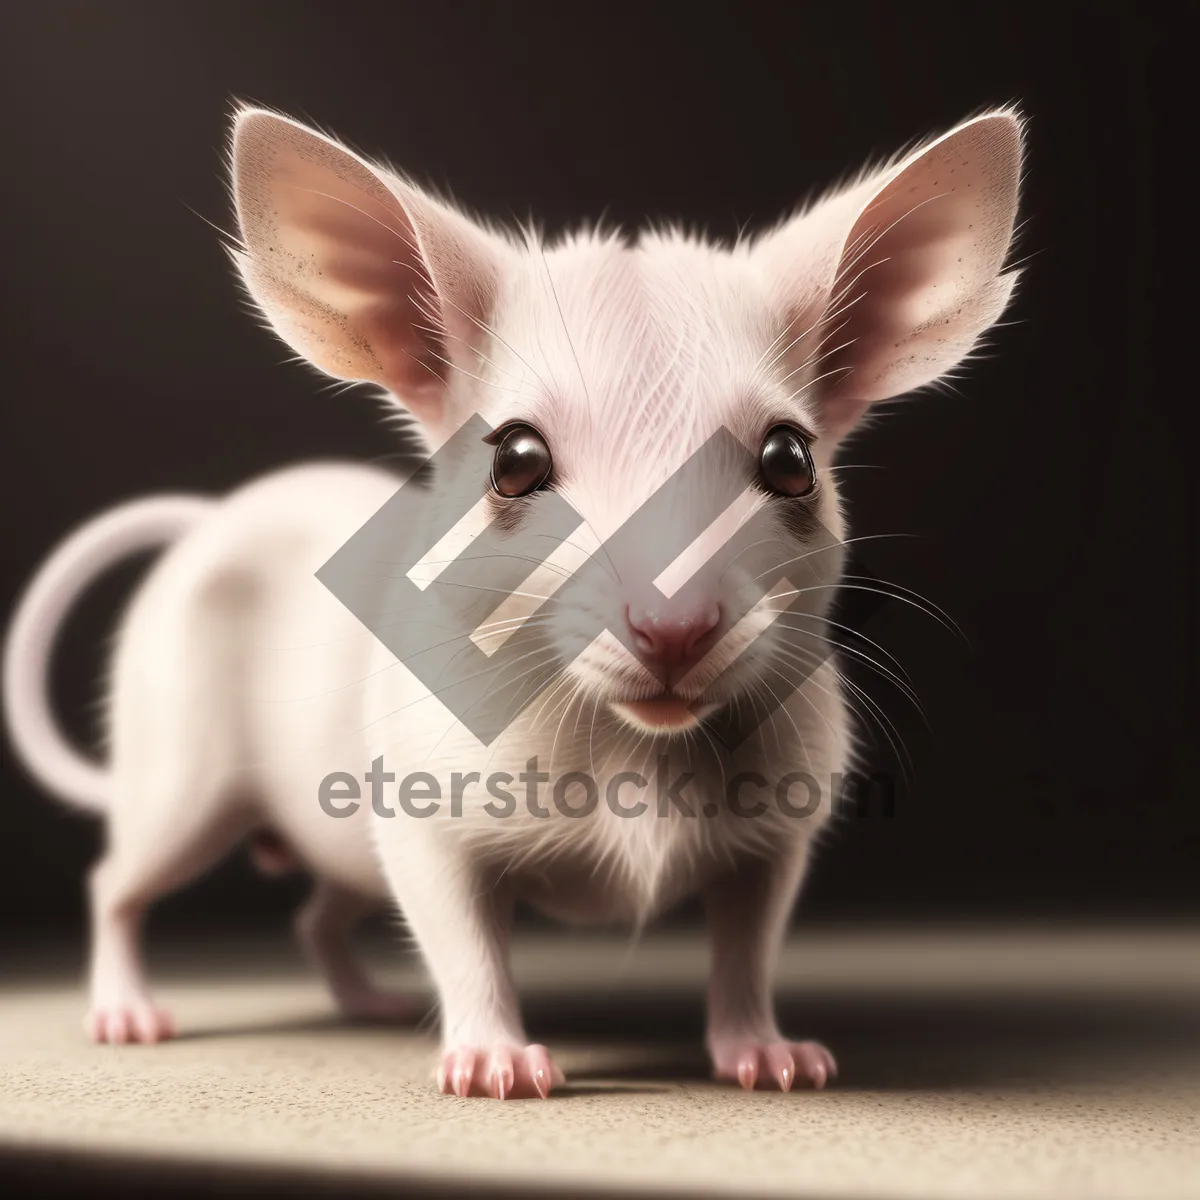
[(882, 1043)]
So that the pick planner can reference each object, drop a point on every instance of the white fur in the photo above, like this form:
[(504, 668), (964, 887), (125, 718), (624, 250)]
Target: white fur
[(141, 525), (240, 682)]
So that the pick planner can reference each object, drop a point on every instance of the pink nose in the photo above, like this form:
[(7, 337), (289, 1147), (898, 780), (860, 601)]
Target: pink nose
[(673, 641)]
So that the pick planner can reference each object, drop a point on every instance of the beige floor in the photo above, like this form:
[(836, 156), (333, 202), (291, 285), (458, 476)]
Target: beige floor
[(988, 1064)]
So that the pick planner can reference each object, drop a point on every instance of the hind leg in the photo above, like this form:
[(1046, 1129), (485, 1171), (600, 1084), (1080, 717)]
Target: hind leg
[(131, 876), (324, 925), (180, 799), (121, 1009)]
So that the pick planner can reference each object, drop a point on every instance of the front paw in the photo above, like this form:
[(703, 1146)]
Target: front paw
[(772, 1063), (501, 1072)]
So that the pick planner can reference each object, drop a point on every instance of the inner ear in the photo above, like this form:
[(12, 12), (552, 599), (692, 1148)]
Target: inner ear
[(898, 276), (358, 271), (920, 274)]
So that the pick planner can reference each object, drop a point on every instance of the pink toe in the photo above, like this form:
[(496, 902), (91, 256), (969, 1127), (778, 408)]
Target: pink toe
[(781, 1067), (118, 1027), (747, 1070), (462, 1073), (457, 1071), (814, 1062), (543, 1074), (149, 1026), (500, 1074)]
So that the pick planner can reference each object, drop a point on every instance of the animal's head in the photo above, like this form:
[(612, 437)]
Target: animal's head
[(605, 365)]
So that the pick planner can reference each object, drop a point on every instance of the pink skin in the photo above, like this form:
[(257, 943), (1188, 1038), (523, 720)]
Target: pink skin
[(773, 1064), (747, 913), (124, 1015), (501, 1073), (135, 1023)]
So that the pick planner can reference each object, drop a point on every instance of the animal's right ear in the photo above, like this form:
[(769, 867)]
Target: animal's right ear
[(358, 271)]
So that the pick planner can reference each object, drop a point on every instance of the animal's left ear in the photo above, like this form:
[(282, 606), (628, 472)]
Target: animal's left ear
[(898, 276)]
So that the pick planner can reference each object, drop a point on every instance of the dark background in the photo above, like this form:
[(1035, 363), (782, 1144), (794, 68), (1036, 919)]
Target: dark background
[(1054, 776)]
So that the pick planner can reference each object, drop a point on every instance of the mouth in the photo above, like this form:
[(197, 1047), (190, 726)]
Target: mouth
[(662, 714)]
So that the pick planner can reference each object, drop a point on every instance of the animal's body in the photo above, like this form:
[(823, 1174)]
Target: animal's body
[(240, 683)]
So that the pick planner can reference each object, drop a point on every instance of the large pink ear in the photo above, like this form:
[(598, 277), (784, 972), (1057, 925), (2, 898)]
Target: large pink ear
[(359, 272), (899, 275)]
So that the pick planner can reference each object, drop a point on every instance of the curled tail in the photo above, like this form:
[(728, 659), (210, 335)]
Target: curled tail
[(47, 755)]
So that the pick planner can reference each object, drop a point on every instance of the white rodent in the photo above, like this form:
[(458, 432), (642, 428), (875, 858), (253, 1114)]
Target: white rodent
[(240, 682)]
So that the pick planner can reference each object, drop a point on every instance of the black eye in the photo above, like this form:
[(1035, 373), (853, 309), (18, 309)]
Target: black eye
[(785, 464), (521, 463)]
